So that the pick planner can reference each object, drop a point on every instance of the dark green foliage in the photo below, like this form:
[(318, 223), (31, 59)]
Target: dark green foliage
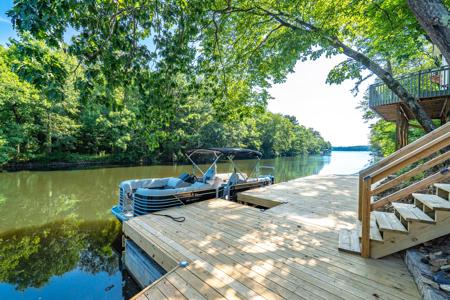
[(51, 109)]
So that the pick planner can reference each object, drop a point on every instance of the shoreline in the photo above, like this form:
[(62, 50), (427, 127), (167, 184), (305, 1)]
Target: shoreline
[(61, 165), (101, 162)]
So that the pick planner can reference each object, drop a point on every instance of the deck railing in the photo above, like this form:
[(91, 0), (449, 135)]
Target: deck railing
[(434, 146), (423, 84)]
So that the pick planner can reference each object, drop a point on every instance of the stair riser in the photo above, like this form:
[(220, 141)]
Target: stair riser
[(428, 210), (443, 194), (419, 233), (442, 215), (405, 222), (389, 235)]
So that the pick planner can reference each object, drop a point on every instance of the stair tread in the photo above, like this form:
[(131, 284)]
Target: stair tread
[(375, 234), (433, 201), (388, 222), (410, 212), (349, 241), (443, 186)]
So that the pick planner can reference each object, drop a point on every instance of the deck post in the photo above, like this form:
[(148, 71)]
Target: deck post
[(360, 195), (365, 222)]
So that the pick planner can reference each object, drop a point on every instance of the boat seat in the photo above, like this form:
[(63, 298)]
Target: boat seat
[(175, 183), (209, 174), (215, 182), (184, 176), (235, 179)]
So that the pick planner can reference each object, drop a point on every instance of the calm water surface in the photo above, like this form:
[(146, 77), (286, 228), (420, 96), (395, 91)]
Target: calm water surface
[(58, 239)]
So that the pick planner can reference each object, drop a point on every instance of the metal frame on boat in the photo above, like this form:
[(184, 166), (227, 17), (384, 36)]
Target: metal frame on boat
[(143, 196)]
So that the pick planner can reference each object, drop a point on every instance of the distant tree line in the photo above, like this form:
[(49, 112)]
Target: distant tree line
[(54, 109), (352, 148)]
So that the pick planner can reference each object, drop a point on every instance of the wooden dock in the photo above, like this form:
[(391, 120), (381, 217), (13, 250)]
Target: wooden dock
[(289, 251)]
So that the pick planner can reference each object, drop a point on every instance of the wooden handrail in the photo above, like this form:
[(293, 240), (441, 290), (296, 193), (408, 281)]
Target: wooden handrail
[(424, 147), (412, 157), (408, 148), (413, 172), (443, 174), (396, 155)]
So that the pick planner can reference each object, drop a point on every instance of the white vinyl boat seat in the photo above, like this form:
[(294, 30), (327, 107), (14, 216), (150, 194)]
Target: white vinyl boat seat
[(175, 183), (171, 191)]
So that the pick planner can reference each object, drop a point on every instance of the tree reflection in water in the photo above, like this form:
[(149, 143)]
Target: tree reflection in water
[(31, 256)]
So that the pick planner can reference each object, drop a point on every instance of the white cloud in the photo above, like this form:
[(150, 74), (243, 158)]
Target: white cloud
[(4, 20), (330, 109)]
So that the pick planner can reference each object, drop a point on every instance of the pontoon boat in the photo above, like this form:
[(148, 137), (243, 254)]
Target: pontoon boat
[(143, 196)]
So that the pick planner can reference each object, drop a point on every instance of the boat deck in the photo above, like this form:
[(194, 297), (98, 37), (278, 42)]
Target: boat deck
[(289, 251)]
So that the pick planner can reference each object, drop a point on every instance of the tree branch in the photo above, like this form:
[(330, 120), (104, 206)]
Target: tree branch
[(217, 44), (300, 25), (262, 43)]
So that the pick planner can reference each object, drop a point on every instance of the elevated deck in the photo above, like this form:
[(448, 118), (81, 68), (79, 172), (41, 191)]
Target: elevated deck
[(432, 87), (288, 251)]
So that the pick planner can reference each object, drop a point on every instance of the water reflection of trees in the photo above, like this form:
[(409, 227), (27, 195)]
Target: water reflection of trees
[(30, 257), (41, 197)]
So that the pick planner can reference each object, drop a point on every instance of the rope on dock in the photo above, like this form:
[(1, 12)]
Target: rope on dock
[(176, 219)]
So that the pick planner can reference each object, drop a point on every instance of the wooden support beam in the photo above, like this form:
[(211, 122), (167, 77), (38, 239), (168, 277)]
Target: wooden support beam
[(360, 195), (365, 222), (444, 113)]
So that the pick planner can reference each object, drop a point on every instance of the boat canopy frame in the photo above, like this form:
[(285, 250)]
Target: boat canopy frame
[(230, 154)]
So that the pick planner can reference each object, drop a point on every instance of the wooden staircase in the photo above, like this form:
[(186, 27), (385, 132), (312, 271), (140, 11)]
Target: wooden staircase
[(409, 225), (380, 233)]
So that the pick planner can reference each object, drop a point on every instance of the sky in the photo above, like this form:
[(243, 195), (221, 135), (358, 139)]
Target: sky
[(329, 109), (6, 30)]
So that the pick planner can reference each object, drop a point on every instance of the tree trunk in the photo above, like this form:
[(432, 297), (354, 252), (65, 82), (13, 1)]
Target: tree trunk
[(434, 18), (402, 128), (49, 135), (394, 85)]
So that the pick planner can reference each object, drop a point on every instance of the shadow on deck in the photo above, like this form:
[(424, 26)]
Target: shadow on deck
[(289, 251)]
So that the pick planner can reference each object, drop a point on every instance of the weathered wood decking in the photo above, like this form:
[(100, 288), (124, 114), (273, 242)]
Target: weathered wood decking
[(288, 251)]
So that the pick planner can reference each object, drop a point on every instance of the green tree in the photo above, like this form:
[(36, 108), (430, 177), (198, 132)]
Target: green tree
[(20, 108)]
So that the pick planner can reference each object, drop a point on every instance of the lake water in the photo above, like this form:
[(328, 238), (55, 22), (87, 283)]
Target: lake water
[(58, 239)]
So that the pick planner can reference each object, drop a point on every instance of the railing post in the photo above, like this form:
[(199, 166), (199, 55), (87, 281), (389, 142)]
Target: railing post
[(418, 85), (360, 195), (365, 213)]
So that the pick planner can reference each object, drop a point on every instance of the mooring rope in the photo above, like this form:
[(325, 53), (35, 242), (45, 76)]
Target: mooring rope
[(176, 219)]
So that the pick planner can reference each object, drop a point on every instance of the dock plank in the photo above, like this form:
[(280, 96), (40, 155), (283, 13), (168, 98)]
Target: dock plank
[(286, 252)]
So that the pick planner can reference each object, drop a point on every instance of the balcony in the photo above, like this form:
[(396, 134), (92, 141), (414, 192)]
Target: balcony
[(432, 87)]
